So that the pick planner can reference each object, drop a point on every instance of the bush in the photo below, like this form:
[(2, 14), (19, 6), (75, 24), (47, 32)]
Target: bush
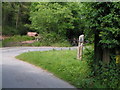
[(102, 75), (89, 52), (52, 39), (8, 30), (46, 39), (62, 44), (108, 75)]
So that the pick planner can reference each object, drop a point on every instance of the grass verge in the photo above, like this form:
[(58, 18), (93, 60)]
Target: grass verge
[(62, 64), (81, 74), (17, 39)]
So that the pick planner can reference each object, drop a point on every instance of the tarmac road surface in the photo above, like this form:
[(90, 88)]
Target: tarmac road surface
[(20, 74)]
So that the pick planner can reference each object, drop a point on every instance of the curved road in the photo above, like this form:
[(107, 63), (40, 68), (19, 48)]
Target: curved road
[(19, 74)]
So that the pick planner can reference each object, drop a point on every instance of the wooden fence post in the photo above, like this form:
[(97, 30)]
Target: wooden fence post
[(80, 47)]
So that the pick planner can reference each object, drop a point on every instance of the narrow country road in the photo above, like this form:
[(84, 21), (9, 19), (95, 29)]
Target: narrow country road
[(19, 74)]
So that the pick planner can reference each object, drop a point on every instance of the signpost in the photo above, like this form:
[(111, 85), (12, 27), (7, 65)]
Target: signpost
[(80, 47)]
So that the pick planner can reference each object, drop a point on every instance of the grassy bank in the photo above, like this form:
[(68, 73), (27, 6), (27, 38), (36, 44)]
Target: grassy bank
[(17, 39), (62, 63), (45, 43)]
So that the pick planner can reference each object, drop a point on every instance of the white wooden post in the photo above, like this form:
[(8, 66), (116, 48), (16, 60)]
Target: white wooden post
[(80, 47)]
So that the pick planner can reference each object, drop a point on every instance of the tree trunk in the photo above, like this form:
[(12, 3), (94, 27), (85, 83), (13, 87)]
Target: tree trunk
[(106, 55), (97, 48), (17, 18), (97, 51), (4, 17)]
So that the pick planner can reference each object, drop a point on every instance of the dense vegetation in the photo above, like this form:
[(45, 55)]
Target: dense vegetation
[(104, 23), (65, 21), (60, 22), (15, 16), (58, 18), (55, 22)]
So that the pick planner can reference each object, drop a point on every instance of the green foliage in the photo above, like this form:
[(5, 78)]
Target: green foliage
[(102, 75), (8, 30), (46, 17), (60, 18), (103, 18), (108, 75), (51, 39), (67, 19), (46, 40), (110, 37), (14, 16), (89, 52)]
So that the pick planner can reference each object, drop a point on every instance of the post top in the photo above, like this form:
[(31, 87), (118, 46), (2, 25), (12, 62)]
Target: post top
[(82, 35)]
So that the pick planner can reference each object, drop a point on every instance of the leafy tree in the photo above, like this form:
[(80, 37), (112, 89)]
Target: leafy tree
[(60, 18), (103, 21), (15, 15)]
